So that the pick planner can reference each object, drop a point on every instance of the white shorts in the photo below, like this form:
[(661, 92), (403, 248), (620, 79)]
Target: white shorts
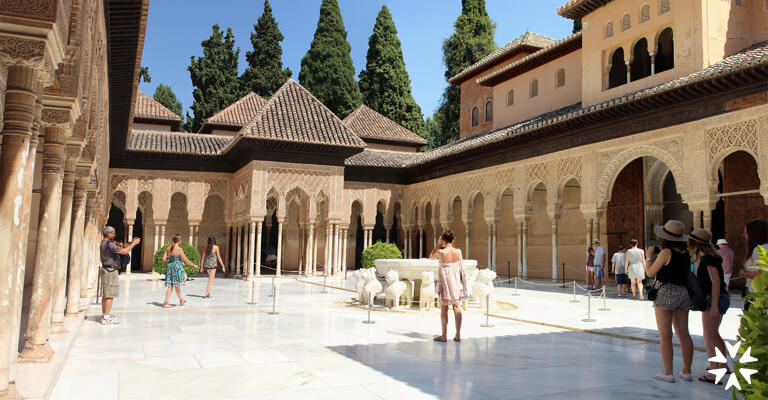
[(727, 278)]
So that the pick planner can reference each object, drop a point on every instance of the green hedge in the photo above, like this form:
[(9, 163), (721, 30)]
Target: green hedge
[(754, 333), (379, 251), (159, 266)]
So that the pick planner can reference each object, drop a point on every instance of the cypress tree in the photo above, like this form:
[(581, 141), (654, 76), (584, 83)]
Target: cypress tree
[(165, 96), (576, 25), (471, 41), (327, 70), (214, 76), (384, 83), (265, 73)]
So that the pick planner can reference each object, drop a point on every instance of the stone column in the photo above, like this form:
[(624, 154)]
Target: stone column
[(197, 236), (76, 265), (406, 244), (589, 232), (490, 247), (327, 249), (554, 250), (258, 247), (525, 248), (493, 248), (520, 249), (707, 220), (239, 258), (334, 247), (252, 249), (36, 347), (466, 229), (163, 238), (421, 242), (629, 71), (345, 236), (388, 228), (62, 248), (157, 239), (129, 239), (314, 252), (192, 234), (279, 246), (88, 243), (653, 62), (309, 248)]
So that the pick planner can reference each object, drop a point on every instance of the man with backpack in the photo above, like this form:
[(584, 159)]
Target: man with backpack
[(110, 254)]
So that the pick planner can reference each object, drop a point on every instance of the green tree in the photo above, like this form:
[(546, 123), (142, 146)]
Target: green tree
[(214, 76), (327, 70), (576, 25), (265, 73), (144, 75), (436, 137), (471, 41), (165, 96), (384, 83)]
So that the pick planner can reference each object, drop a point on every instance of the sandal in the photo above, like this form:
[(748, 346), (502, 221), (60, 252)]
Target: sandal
[(705, 378), (438, 339), (181, 303), (166, 305), (456, 340)]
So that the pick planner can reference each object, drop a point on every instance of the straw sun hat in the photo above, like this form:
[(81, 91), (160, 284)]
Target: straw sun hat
[(673, 230), (701, 235)]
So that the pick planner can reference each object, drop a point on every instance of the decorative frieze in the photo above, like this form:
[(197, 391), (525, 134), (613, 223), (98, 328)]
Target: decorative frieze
[(740, 135)]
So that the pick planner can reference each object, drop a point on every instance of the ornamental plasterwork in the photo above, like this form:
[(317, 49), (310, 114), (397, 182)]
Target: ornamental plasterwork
[(180, 185), (215, 185), (742, 134), (55, 116), (537, 172), (35, 8), (569, 167), (663, 6), (645, 13), (311, 182), (506, 177)]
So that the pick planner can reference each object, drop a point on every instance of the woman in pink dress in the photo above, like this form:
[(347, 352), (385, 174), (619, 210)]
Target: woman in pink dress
[(451, 283)]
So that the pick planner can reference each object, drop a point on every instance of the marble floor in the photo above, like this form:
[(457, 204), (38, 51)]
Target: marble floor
[(318, 348)]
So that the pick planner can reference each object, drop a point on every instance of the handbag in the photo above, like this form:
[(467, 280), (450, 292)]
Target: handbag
[(653, 292), (694, 292)]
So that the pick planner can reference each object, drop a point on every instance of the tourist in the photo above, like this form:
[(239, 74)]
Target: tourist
[(712, 283), (211, 260), (727, 255), (451, 284), (636, 269), (619, 268), (590, 268), (672, 302), (174, 272), (600, 260), (110, 252), (756, 234)]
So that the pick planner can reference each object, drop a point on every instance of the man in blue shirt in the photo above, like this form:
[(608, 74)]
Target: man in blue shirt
[(599, 261)]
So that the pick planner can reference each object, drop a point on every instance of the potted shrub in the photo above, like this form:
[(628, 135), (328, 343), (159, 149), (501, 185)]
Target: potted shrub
[(753, 333), (159, 266), (379, 251)]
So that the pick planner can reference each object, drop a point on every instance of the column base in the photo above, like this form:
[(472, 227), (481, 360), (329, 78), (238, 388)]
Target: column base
[(58, 327), (11, 394), (71, 314), (36, 353)]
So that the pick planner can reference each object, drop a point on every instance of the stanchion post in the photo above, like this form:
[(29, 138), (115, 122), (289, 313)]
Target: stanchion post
[(370, 305), (589, 308), (325, 290), (574, 293), (253, 283), (487, 323), (563, 285), (274, 300), (515, 294), (509, 270), (273, 287), (605, 307)]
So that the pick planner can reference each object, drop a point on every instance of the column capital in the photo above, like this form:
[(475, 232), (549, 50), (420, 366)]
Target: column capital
[(30, 52)]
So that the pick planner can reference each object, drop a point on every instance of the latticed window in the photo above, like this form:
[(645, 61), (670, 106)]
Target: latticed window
[(560, 78), (663, 6), (489, 111), (645, 13), (626, 22), (609, 29), (510, 97), (534, 90), (739, 2), (475, 116), (665, 51)]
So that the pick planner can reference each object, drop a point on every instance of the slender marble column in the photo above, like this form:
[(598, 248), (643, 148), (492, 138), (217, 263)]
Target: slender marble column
[(36, 347), (327, 249), (337, 239), (238, 259), (525, 249), (157, 239), (258, 248), (76, 267), (252, 249), (279, 247), (129, 239), (192, 235), (197, 236), (421, 242), (314, 253), (554, 250), (311, 250), (520, 249), (493, 247), (163, 238), (88, 244), (388, 229), (589, 232), (62, 249), (490, 247), (466, 229), (334, 247), (344, 235), (406, 244)]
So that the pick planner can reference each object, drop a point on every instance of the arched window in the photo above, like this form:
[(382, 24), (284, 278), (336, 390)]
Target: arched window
[(665, 51), (534, 89), (663, 6), (608, 30), (617, 75), (560, 78), (645, 13), (489, 111), (626, 22), (510, 97), (475, 116), (641, 61)]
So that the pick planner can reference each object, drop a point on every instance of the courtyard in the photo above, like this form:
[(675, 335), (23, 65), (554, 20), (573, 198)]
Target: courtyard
[(318, 347)]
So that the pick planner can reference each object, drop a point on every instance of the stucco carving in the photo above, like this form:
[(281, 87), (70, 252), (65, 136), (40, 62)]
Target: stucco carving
[(645, 13), (569, 167), (739, 135), (55, 116), (537, 172), (15, 50), (284, 180), (663, 6), (44, 9)]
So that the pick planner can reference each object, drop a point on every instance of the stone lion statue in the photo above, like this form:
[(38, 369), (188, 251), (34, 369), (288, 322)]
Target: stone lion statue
[(427, 297), (395, 291)]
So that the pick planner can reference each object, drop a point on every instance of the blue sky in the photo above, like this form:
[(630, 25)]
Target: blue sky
[(176, 28)]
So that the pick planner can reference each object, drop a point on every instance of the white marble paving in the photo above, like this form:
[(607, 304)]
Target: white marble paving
[(318, 348)]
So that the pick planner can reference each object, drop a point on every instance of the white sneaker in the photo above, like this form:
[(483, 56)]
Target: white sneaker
[(111, 320), (685, 377), (666, 378)]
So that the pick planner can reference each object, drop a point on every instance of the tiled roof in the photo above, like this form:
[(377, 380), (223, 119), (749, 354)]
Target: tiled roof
[(380, 158), (370, 125), (575, 9), (294, 115), (754, 56), (149, 108), (177, 142), (553, 51), (527, 39), (237, 114)]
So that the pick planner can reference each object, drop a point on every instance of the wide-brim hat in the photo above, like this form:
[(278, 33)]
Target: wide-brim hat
[(701, 235), (721, 242), (673, 231)]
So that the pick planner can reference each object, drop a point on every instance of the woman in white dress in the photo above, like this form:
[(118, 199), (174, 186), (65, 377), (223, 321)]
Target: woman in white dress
[(636, 269)]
